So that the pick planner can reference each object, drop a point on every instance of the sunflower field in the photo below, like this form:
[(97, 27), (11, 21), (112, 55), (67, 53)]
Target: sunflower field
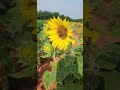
[(59, 54)]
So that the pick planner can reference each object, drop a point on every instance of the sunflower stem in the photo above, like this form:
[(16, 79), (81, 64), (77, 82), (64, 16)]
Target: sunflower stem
[(54, 55)]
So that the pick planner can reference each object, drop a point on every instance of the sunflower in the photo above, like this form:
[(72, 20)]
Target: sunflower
[(59, 33), (47, 47), (28, 53)]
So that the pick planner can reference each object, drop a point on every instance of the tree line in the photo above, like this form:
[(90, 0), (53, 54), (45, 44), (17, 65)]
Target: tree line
[(44, 15)]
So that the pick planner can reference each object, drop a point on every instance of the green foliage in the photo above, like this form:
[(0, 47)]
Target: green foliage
[(70, 83), (103, 56), (68, 65), (111, 80), (40, 24), (27, 72), (80, 64), (28, 54), (49, 79), (15, 32), (70, 87), (109, 56), (45, 15)]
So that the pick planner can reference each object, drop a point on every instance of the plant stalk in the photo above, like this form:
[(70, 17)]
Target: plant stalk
[(54, 55)]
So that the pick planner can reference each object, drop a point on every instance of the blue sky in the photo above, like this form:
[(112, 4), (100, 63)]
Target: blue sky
[(71, 8)]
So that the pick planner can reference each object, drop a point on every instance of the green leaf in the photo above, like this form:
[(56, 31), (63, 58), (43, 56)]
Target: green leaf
[(116, 30), (54, 65), (80, 64), (112, 48), (70, 87), (46, 55), (67, 60), (49, 79), (27, 72), (62, 71), (107, 60), (6, 60), (41, 35), (72, 83), (74, 70), (2, 6), (59, 52), (109, 56), (78, 50), (112, 80)]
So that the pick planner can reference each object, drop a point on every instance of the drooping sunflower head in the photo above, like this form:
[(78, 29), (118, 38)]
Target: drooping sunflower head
[(47, 47), (59, 33), (28, 53)]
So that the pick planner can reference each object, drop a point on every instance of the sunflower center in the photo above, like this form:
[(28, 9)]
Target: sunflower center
[(62, 32)]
